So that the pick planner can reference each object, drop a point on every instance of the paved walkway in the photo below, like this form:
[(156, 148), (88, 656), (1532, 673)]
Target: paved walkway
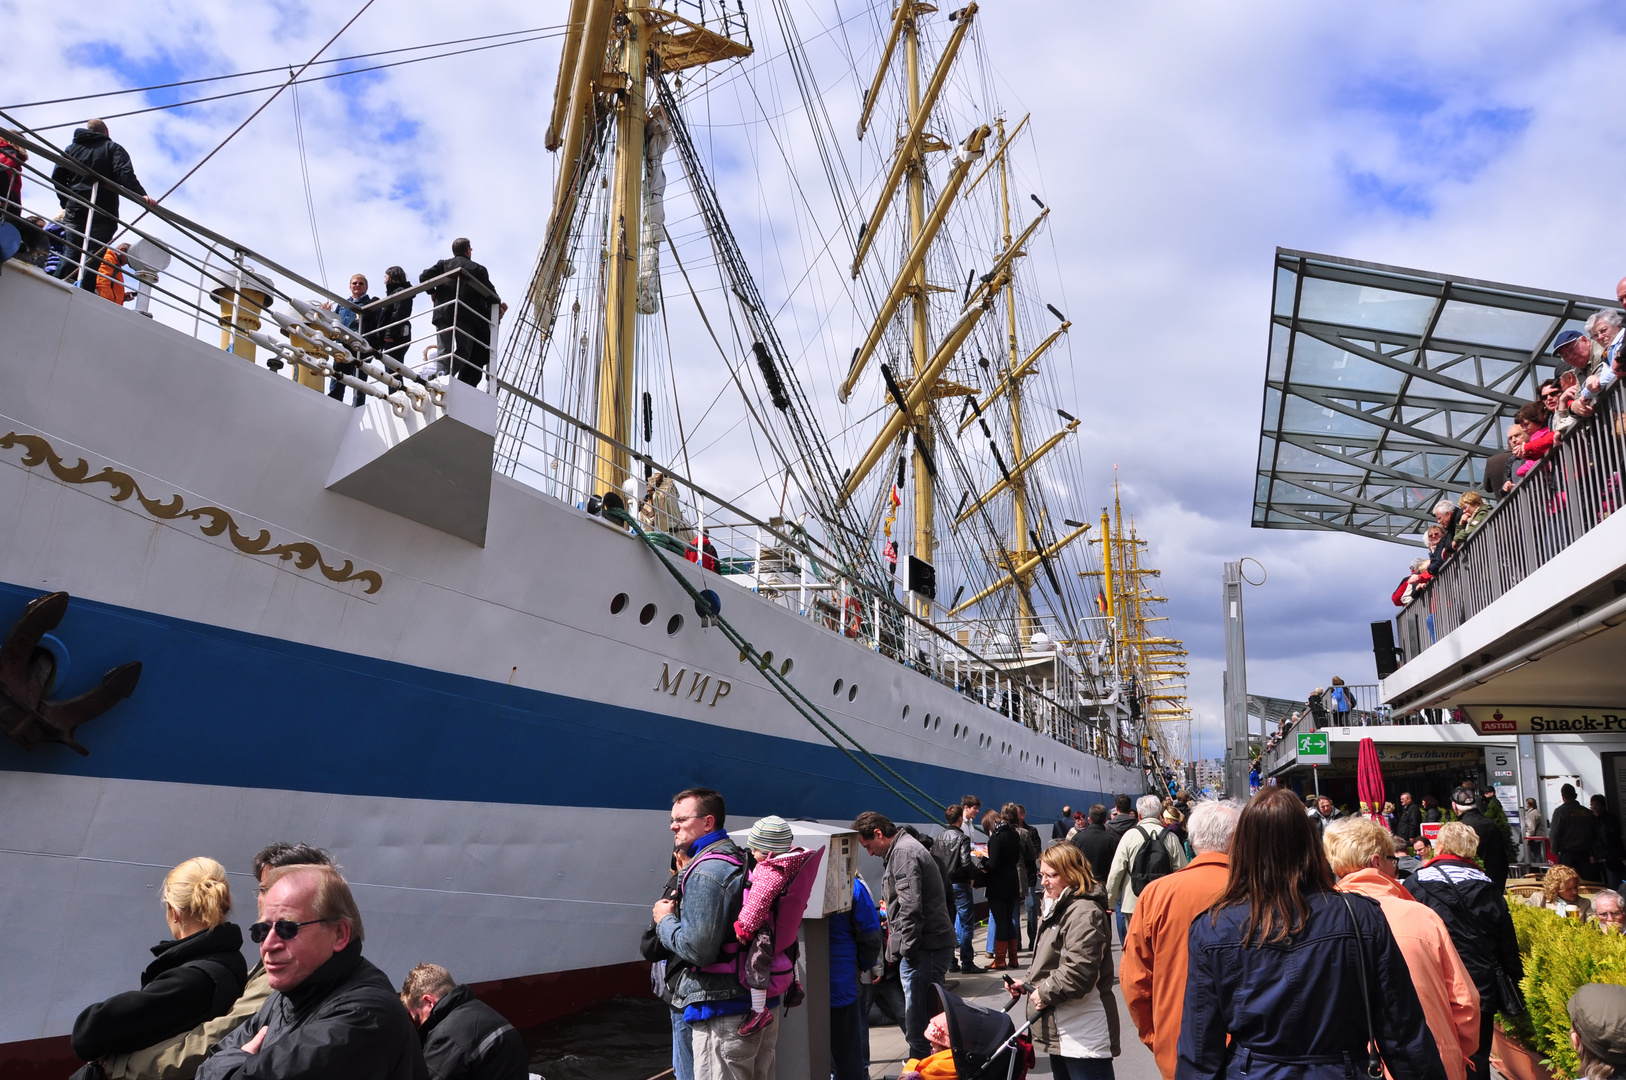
[(888, 1051)]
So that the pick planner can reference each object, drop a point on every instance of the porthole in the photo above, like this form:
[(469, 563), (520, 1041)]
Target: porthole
[(926, 721), (619, 604), (839, 684), (965, 731), (937, 722), (767, 659), (784, 669), (956, 731), (674, 624), (647, 616), (906, 712), (852, 691)]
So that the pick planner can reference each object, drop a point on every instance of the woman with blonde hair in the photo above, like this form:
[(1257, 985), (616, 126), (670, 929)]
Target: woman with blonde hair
[(1069, 984), (1561, 893), (194, 977), (1475, 912), (1362, 854)]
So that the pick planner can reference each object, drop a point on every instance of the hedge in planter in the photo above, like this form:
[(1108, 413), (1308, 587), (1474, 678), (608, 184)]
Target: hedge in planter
[(1560, 956)]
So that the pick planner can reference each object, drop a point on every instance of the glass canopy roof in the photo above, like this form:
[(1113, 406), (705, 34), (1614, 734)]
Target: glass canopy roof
[(1386, 388)]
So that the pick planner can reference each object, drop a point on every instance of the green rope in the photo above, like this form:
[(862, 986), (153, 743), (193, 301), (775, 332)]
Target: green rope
[(821, 721)]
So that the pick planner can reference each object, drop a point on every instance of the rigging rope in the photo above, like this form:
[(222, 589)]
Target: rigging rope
[(814, 715), (305, 172)]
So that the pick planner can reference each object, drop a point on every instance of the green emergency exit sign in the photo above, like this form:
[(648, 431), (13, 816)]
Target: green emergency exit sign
[(1313, 748)]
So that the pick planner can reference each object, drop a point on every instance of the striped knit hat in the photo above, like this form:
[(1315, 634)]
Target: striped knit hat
[(771, 834)]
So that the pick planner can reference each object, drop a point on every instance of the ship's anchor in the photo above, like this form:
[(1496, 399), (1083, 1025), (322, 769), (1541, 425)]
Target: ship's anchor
[(25, 674)]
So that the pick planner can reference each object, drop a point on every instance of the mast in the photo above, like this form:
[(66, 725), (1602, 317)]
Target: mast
[(616, 364), (924, 502), (1019, 497)]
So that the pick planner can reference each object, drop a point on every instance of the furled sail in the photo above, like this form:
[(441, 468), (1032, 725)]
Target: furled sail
[(657, 140)]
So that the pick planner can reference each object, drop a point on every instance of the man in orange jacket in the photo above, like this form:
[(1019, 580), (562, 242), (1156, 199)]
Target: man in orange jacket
[(1153, 975), (1362, 853)]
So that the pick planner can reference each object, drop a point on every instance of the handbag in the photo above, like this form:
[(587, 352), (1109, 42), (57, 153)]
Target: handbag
[(1506, 988), (1374, 1059)]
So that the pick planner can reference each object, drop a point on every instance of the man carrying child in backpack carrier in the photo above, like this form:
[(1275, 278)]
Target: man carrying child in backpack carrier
[(1147, 852)]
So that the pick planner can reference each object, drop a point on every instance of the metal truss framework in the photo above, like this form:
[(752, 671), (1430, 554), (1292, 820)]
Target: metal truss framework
[(1385, 389)]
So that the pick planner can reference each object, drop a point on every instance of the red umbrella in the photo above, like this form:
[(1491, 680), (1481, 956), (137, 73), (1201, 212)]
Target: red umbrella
[(1369, 780)]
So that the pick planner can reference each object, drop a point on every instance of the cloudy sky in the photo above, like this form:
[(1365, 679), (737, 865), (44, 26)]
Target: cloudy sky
[(1178, 145)]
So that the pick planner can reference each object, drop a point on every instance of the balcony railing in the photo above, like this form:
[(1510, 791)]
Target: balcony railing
[(1574, 487)]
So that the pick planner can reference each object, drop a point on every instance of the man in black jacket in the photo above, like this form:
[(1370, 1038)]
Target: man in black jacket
[(1573, 833), (332, 1014), (1408, 819), (1123, 817), (463, 312), (463, 1037), (1097, 844), (97, 160), (1492, 844), (952, 850)]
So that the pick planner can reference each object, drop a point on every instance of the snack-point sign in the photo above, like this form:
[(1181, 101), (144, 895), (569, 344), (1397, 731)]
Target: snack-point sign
[(1537, 720), (1313, 748)]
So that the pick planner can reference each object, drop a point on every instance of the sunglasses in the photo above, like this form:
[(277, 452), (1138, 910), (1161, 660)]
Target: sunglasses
[(285, 929)]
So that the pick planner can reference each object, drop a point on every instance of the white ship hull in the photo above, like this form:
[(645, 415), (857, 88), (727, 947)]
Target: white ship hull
[(483, 745)]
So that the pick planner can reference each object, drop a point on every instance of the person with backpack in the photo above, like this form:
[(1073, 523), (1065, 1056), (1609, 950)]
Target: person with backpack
[(1147, 852), (855, 945), (698, 930)]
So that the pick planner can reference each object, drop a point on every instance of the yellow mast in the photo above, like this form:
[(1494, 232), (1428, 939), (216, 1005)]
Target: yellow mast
[(924, 505), (1019, 496), (616, 368)]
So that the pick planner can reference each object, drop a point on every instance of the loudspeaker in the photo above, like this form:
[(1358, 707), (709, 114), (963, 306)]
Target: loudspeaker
[(1383, 648), (922, 578)]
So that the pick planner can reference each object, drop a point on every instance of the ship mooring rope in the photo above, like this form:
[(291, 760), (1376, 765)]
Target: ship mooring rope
[(814, 715)]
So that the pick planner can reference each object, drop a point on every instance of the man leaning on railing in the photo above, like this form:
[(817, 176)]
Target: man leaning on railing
[(83, 195), (463, 312)]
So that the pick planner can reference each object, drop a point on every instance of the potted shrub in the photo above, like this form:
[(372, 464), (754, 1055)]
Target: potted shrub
[(1560, 956)]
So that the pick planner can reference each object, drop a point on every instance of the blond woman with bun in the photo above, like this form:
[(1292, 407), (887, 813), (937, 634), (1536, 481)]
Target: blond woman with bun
[(194, 976)]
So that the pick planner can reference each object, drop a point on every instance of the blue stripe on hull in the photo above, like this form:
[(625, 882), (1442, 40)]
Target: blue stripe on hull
[(219, 706)]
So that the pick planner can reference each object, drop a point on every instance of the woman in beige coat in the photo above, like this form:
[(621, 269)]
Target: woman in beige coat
[(1069, 985)]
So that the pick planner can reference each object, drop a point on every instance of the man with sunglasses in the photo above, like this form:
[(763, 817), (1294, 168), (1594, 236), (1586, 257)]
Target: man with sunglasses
[(181, 1055), (332, 1014)]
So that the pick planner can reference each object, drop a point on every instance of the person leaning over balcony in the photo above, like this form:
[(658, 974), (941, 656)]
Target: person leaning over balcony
[(1446, 514), (394, 319), (95, 163), (1343, 701), (1472, 511), (1578, 353), (1605, 329), (1438, 549), (1362, 854), (1538, 438), (462, 312)]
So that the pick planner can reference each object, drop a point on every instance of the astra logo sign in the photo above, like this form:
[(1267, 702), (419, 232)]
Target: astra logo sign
[(1535, 720), (699, 688)]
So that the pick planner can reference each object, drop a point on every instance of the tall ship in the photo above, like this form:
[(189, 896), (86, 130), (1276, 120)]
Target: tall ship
[(472, 635)]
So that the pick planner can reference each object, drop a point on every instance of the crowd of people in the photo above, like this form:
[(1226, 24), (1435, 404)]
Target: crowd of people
[(1589, 360), (78, 242), (1267, 938)]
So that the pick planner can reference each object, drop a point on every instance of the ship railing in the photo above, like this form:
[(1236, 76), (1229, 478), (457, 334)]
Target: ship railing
[(1575, 486), (197, 281), (1040, 688)]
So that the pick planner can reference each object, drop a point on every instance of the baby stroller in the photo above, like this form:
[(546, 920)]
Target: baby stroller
[(987, 1045)]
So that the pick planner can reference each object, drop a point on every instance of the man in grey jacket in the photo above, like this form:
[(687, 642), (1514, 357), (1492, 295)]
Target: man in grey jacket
[(333, 1015), (919, 934), (698, 930)]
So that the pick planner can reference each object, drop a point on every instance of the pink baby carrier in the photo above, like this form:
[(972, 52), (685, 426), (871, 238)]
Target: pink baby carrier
[(787, 921)]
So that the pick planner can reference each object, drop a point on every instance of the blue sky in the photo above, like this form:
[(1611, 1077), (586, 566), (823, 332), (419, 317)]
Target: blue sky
[(1178, 145)]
